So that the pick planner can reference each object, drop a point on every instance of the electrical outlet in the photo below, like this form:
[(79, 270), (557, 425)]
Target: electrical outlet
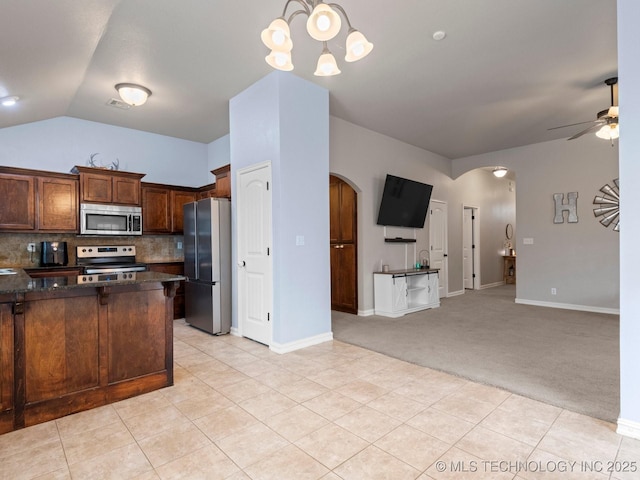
[(31, 247), (179, 245), (553, 291)]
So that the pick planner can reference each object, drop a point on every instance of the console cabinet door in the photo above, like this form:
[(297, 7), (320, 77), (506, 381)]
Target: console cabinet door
[(17, 209), (57, 204)]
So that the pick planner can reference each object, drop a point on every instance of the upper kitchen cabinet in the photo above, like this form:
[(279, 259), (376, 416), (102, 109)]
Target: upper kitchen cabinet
[(223, 181), (57, 203), (38, 201), (162, 207), (109, 186), (18, 193)]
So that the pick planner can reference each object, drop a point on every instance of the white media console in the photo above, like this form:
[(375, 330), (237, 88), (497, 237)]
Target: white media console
[(399, 292)]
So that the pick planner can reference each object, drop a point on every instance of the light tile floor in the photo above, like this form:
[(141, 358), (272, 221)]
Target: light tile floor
[(332, 411)]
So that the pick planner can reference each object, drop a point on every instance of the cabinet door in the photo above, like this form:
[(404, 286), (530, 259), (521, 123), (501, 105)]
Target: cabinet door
[(57, 204), (178, 199), (433, 289), (399, 294), (344, 290), (223, 181), (17, 209), (156, 210), (126, 191), (6, 361), (96, 188)]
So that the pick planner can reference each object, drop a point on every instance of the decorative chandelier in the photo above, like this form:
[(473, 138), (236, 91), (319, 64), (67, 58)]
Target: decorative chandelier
[(323, 24)]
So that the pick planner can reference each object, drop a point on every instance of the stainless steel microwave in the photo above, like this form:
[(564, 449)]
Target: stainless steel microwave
[(110, 219)]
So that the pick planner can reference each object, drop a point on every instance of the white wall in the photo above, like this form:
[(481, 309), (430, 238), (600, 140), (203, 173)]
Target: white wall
[(364, 158), (58, 144), (284, 120), (579, 259), (218, 155), (629, 98)]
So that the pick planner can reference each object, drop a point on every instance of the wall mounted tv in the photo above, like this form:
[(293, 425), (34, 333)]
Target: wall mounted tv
[(404, 203)]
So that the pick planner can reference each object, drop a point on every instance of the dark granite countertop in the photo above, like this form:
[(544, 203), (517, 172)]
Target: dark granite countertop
[(21, 282)]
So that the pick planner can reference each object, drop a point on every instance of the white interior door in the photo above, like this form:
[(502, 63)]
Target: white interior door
[(438, 243), (467, 247), (255, 279)]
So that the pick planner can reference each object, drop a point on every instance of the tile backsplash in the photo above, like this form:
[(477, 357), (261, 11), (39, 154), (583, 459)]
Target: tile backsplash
[(149, 248)]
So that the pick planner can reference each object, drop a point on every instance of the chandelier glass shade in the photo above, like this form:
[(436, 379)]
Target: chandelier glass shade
[(323, 24), (133, 94)]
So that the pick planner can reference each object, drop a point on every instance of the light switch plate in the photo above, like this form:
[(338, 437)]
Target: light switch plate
[(527, 241)]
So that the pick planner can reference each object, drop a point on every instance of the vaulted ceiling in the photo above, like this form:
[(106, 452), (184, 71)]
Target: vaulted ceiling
[(507, 70)]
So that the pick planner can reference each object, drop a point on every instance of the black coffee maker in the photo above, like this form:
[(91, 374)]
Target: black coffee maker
[(53, 254)]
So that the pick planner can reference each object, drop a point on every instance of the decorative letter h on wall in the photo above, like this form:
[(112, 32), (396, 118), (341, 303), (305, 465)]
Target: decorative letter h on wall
[(571, 207)]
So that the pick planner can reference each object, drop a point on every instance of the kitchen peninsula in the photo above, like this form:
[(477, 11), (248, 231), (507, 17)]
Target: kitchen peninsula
[(66, 346)]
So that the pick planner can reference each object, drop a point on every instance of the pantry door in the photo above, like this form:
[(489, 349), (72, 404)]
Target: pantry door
[(255, 270), (438, 243)]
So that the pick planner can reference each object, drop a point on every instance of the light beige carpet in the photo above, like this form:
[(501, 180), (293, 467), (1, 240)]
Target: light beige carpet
[(562, 357)]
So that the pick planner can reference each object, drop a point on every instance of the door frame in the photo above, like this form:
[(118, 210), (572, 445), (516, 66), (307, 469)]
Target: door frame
[(475, 241)]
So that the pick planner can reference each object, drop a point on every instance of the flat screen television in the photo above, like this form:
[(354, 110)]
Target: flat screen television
[(404, 203)]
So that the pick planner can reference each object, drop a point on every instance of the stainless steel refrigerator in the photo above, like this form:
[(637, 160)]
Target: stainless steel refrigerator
[(207, 264)]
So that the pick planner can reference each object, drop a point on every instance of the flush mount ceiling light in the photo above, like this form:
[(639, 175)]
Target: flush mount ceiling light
[(9, 101), (500, 172), (323, 24), (133, 94)]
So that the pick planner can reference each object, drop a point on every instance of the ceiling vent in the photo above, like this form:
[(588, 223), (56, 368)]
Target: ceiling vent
[(113, 102)]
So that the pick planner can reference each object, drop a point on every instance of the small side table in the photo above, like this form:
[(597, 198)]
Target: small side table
[(509, 272)]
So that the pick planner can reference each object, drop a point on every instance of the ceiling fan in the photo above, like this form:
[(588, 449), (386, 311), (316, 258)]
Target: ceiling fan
[(606, 122)]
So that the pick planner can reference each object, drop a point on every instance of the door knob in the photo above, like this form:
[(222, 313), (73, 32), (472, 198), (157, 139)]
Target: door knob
[(242, 264)]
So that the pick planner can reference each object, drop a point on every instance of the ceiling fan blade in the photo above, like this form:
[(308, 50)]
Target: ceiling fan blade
[(572, 125), (592, 128)]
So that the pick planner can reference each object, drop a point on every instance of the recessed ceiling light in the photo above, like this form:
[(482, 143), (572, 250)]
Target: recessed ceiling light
[(9, 101), (439, 35)]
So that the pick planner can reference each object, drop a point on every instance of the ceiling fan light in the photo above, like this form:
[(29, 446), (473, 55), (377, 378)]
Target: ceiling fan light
[(609, 132), (277, 35), (500, 172), (324, 23), (613, 111), (280, 60), (133, 94), (9, 101), (357, 46)]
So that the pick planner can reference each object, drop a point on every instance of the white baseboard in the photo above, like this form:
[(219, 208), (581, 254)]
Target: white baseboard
[(628, 428), (569, 306), (455, 294), (235, 332), (302, 343), (491, 285), (366, 313)]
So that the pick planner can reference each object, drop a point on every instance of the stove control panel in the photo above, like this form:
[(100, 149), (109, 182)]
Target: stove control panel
[(106, 277), (105, 251)]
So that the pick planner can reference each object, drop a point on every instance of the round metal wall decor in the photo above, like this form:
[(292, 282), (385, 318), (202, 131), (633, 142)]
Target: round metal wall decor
[(609, 205)]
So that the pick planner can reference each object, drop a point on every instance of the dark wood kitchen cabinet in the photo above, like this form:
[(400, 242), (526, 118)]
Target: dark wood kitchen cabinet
[(175, 268), (57, 204), (223, 181), (37, 201), (109, 186), (6, 364), (18, 206), (162, 207)]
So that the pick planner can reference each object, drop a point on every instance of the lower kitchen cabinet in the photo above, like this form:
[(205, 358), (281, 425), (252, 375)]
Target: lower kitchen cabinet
[(399, 292), (176, 268), (6, 366)]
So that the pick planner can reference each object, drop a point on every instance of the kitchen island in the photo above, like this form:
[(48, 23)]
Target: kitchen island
[(68, 346)]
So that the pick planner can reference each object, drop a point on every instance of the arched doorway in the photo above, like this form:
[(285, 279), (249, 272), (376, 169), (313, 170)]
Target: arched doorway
[(344, 245)]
